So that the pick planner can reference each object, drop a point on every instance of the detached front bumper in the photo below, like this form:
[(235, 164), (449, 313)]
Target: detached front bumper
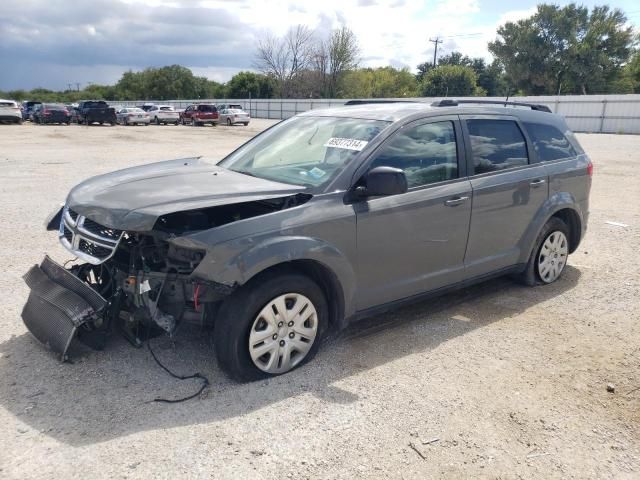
[(59, 303)]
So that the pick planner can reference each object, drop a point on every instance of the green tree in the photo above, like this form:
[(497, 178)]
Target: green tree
[(245, 84), (378, 83), (451, 80), (565, 49)]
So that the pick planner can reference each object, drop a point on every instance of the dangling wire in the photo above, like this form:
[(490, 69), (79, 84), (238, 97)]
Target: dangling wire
[(205, 380)]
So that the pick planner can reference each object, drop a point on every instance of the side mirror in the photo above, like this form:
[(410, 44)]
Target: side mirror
[(382, 181)]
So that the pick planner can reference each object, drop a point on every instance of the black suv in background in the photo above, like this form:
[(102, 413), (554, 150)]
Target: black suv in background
[(325, 218)]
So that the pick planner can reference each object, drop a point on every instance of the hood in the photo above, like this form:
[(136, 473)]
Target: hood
[(133, 198)]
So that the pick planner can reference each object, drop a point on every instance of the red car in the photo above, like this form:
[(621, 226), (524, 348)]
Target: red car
[(199, 114)]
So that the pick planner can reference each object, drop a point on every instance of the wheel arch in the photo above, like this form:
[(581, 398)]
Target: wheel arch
[(561, 205), (326, 279), (571, 218), (320, 261)]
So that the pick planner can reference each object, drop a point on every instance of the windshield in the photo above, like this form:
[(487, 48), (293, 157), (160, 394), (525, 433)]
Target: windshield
[(306, 151)]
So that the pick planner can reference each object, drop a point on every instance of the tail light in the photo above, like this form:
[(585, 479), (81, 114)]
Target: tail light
[(590, 169)]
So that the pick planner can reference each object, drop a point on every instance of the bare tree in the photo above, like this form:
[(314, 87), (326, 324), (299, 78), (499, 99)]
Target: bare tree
[(343, 52), (285, 58)]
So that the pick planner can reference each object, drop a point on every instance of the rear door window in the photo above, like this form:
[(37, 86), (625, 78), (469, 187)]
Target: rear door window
[(496, 145), (549, 142)]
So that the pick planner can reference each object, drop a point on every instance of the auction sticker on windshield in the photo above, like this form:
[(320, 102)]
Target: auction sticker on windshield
[(346, 143)]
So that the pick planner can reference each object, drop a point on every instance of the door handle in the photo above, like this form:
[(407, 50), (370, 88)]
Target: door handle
[(454, 202), (538, 182)]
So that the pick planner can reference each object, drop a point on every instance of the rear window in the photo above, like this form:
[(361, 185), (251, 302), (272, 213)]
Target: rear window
[(496, 145), (166, 109), (7, 104), (549, 142), (207, 108)]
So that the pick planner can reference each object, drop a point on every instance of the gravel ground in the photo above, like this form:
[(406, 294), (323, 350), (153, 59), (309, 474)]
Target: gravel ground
[(496, 381)]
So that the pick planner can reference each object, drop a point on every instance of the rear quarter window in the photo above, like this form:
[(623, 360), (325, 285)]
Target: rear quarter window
[(549, 142), (496, 145)]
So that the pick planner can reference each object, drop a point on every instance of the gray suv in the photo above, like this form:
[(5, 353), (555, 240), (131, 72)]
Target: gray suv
[(325, 218)]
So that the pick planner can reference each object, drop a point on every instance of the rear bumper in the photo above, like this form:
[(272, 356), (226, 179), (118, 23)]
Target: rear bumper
[(56, 119), (168, 118), (10, 118), (58, 304)]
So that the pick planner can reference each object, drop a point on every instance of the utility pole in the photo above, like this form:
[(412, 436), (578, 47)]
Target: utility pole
[(435, 41)]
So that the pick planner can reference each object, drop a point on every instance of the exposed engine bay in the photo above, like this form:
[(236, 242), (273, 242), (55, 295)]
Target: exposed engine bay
[(137, 283)]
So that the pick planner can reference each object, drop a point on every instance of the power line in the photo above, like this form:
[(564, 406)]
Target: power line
[(435, 41)]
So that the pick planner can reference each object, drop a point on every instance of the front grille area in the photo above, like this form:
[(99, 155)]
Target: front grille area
[(94, 249), (101, 230), (87, 239), (68, 234)]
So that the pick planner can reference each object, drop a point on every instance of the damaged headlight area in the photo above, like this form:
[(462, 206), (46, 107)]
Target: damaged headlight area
[(138, 283)]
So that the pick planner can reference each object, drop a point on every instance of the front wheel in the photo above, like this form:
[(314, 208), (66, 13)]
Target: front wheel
[(270, 326), (549, 255)]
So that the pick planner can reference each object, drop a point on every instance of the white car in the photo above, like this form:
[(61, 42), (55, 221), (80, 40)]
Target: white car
[(132, 115), (231, 116), (163, 114), (10, 111)]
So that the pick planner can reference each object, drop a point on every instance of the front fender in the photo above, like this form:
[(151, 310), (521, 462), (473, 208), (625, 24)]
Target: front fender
[(556, 202), (242, 264)]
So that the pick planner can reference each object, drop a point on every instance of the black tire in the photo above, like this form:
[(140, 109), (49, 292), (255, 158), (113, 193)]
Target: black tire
[(101, 123), (238, 312), (157, 121), (229, 122), (531, 275), (193, 122), (245, 123)]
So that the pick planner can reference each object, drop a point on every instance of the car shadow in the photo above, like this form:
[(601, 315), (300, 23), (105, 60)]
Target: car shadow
[(108, 394)]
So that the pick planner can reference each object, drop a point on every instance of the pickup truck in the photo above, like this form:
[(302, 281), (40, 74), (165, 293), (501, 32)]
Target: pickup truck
[(92, 111)]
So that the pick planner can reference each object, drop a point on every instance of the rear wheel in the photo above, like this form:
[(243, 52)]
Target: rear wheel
[(157, 121), (549, 256), (193, 122), (245, 123), (270, 326), (229, 122)]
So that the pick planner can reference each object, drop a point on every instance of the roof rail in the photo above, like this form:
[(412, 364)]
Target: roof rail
[(455, 103), (366, 102)]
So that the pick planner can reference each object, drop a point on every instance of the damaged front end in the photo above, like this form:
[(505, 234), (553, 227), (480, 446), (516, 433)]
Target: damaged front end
[(138, 283)]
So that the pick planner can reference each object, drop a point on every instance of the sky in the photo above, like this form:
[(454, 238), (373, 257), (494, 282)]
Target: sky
[(55, 43)]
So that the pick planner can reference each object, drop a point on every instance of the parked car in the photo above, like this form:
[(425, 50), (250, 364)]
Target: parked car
[(163, 114), (199, 114), (27, 108), (321, 220), (146, 106), (133, 116), (95, 111), (231, 116), (51, 113), (222, 106), (10, 111)]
